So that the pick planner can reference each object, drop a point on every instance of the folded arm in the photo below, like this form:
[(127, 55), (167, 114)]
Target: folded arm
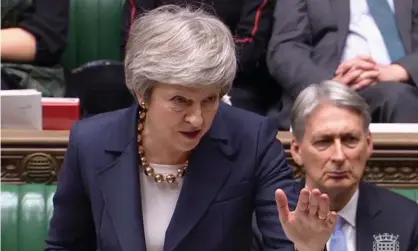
[(17, 45), (41, 35)]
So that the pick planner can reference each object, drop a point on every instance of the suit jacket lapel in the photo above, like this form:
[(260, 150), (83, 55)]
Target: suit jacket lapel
[(342, 15), (403, 14), (119, 183), (367, 210), (207, 172)]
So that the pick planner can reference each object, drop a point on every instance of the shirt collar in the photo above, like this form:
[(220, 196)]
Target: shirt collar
[(349, 211)]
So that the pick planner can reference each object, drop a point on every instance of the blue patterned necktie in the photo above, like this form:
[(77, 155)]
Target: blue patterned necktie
[(338, 239), (385, 21)]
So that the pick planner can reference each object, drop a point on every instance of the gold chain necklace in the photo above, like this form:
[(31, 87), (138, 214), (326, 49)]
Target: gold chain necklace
[(148, 170)]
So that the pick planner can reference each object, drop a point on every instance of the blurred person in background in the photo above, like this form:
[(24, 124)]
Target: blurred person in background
[(33, 38), (368, 45)]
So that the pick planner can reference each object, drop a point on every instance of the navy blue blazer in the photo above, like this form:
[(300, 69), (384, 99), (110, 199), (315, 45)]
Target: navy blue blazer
[(381, 211), (234, 170)]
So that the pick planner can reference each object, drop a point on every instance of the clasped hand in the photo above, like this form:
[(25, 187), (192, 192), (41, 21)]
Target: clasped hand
[(364, 71), (311, 224)]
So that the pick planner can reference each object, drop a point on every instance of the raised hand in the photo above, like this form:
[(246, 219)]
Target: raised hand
[(311, 224)]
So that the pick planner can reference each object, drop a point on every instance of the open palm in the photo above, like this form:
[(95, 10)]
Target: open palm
[(311, 224)]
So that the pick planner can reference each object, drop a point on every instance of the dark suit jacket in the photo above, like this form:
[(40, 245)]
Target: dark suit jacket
[(308, 39), (234, 170), (381, 211), (48, 22)]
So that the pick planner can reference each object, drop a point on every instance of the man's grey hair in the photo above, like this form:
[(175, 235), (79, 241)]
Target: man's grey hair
[(326, 92), (182, 46)]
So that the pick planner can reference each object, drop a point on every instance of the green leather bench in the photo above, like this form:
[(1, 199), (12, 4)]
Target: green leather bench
[(94, 32), (94, 35), (27, 209), (25, 214), (409, 193)]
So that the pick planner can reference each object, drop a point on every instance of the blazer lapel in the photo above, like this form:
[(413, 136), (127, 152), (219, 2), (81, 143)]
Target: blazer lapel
[(207, 172), (367, 210), (119, 183), (342, 15), (403, 14)]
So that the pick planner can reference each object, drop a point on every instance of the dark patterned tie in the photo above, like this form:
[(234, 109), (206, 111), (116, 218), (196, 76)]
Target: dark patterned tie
[(385, 21)]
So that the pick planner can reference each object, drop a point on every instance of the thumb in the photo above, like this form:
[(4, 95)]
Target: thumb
[(282, 206)]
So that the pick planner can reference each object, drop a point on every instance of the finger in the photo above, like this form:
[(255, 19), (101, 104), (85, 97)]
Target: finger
[(314, 202), (351, 76), (323, 206), (338, 70), (302, 208), (346, 66), (365, 79), (362, 84), (282, 206), (369, 74), (342, 69), (361, 62), (303, 201), (365, 65)]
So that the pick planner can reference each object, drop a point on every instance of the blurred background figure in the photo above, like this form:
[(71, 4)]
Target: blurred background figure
[(369, 45), (33, 38)]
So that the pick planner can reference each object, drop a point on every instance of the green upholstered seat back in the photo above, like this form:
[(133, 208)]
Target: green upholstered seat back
[(25, 214), (409, 193), (94, 32)]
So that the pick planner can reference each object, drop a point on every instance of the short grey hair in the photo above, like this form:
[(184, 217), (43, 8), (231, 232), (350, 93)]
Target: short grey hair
[(179, 45), (326, 92)]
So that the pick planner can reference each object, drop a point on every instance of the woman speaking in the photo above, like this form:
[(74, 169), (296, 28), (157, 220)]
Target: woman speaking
[(180, 171)]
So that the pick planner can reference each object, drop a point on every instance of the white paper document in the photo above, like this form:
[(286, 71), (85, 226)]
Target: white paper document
[(21, 109)]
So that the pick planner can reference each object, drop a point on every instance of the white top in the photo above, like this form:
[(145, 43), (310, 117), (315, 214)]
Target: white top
[(364, 37), (158, 203), (349, 214)]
